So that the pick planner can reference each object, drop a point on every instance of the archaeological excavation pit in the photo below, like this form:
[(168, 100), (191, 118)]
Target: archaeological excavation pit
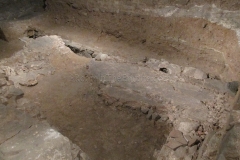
[(119, 80)]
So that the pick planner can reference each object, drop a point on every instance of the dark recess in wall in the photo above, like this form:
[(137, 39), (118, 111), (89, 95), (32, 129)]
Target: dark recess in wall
[(2, 36), (44, 4)]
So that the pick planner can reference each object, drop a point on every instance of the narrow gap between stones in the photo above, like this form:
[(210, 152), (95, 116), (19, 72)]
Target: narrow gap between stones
[(81, 52)]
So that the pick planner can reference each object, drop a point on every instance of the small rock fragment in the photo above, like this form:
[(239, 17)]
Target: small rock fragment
[(164, 118), (94, 55), (175, 134), (188, 126), (144, 110), (181, 140), (29, 83), (200, 133), (75, 151), (84, 54), (193, 141), (3, 90), (3, 100), (3, 82), (35, 65), (109, 101), (187, 137), (9, 83), (203, 137), (192, 150), (181, 152), (156, 116), (101, 57), (12, 91), (42, 116), (200, 74), (2, 76), (75, 6), (131, 105), (149, 115), (194, 73), (2, 72), (89, 52), (173, 144), (25, 60), (233, 86), (200, 128)]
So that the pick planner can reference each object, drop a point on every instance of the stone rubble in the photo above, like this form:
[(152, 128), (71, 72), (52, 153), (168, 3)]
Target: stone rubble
[(93, 53), (23, 127)]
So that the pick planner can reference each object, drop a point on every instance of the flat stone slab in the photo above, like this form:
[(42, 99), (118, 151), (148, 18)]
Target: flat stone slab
[(12, 122), (147, 81), (176, 134), (138, 83), (174, 144), (23, 138), (39, 142)]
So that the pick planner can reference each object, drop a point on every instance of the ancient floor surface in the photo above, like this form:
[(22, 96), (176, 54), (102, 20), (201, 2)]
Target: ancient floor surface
[(108, 105)]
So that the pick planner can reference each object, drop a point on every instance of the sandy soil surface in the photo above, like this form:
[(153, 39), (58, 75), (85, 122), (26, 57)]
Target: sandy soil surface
[(69, 98)]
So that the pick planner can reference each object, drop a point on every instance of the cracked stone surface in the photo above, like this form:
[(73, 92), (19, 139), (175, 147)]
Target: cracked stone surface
[(20, 134)]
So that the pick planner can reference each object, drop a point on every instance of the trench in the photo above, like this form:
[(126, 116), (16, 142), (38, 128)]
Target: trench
[(102, 130), (71, 101)]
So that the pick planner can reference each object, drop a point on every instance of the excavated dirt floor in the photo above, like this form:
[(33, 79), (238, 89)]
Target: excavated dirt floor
[(69, 101), (107, 119)]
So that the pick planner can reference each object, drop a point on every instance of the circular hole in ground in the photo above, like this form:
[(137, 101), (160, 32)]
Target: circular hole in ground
[(165, 70)]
